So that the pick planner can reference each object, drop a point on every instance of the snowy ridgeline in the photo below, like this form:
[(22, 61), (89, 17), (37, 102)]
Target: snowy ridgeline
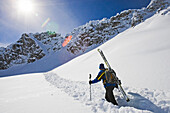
[(29, 48), (139, 55), (96, 32), (141, 100), (32, 47)]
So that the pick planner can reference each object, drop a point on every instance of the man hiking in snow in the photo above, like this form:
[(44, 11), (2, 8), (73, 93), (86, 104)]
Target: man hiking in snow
[(109, 87)]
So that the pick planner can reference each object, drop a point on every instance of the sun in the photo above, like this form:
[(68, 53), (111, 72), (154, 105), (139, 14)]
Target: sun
[(25, 6)]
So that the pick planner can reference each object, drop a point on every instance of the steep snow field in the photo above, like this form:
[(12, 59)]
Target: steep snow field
[(140, 56), (34, 50)]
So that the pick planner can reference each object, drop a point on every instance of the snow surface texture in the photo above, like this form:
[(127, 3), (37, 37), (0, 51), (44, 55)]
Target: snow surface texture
[(33, 94), (141, 100)]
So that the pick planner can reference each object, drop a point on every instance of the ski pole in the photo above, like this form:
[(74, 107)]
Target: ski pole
[(90, 86)]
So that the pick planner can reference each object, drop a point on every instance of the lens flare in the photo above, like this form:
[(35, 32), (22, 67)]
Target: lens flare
[(66, 41), (45, 23)]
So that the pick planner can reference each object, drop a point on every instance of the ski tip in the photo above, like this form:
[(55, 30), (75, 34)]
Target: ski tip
[(99, 50)]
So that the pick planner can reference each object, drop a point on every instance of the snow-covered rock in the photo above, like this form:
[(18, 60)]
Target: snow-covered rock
[(96, 32), (139, 55), (31, 48)]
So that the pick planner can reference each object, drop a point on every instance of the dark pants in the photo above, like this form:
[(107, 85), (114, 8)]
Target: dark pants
[(109, 95)]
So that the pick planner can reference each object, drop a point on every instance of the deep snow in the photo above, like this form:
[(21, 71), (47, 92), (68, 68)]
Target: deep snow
[(141, 100), (33, 94), (140, 56)]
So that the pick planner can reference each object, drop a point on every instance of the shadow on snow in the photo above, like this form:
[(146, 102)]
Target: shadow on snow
[(80, 91), (139, 102)]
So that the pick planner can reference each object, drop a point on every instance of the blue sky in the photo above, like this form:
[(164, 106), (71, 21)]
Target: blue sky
[(62, 16)]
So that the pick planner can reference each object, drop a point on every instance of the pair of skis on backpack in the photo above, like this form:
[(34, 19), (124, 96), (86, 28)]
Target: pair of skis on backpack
[(111, 71)]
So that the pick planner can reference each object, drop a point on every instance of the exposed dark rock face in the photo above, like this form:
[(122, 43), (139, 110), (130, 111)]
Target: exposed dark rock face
[(32, 47)]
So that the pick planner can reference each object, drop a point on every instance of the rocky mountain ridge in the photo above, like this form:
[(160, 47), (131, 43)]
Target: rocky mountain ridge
[(29, 48), (32, 47), (96, 32)]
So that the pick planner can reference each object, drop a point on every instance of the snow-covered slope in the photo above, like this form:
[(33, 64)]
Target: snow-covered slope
[(33, 94), (142, 100), (29, 48), (140, 56), (39, 48)]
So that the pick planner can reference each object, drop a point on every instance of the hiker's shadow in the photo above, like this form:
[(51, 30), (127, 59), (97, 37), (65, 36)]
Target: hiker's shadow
[(139, 102)]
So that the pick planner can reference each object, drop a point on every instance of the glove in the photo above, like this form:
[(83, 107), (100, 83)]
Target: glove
[(90, 82), (116, 86)]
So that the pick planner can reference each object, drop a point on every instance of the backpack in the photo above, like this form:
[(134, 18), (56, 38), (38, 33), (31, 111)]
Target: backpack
[(111, 77)]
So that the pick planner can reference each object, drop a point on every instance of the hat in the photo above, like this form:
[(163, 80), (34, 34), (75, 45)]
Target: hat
[(101, 66)]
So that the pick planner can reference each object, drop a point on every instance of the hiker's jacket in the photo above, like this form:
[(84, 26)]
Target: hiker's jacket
[(101, 76)]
